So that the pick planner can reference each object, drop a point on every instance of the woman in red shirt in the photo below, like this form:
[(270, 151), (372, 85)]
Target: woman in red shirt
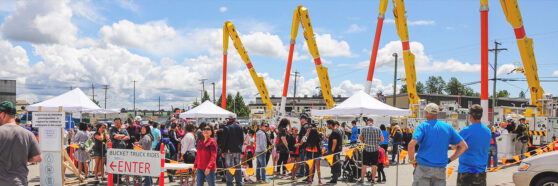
[(205, 158)]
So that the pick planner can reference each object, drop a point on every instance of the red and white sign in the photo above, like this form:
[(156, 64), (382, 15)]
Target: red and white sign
[(134, 162)]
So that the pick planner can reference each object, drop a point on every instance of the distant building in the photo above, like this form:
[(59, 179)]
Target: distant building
[(8, 90), (301, 103), (402, 100), (21, 105)]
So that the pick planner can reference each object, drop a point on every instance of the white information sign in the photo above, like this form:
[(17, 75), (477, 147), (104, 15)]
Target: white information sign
[(51, 138), (134, 162), (49, 119), (51, 169)]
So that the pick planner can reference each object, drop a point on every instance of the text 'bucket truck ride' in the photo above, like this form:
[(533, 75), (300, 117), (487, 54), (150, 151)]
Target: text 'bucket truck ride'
[(301, 16), (230, 31)]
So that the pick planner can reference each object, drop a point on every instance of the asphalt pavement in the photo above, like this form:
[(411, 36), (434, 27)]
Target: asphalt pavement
[(403, 173)]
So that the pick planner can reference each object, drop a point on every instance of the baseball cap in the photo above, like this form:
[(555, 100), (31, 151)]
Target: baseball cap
[(303, 116), (432, 108), (138, 118), (7, 107)]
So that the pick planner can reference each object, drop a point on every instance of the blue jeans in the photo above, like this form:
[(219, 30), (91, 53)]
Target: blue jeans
[(201, 177), (231, 160), (260, 164), (492, 152), (147, 180)]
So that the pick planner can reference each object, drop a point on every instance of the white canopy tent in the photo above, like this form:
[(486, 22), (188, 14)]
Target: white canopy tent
[(362, 104), (207, 110), (103, 111), (71, 101)]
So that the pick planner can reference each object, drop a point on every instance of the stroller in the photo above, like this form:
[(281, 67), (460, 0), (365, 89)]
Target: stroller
[(352, 167)]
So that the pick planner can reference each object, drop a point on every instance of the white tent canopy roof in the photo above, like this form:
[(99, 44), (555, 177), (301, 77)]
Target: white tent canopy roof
[(71, 101), (362, 103), (207, 110)]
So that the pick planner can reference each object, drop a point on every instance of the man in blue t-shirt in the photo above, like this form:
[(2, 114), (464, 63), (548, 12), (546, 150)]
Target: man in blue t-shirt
[(434, 138), (354, 132), (472, 164)]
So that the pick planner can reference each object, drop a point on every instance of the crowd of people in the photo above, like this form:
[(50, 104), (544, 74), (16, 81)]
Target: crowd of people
[(216, 148)]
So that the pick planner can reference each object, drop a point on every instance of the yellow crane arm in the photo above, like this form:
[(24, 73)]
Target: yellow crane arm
[(525, 45), (408, 57), (301, 16), (230, 31)]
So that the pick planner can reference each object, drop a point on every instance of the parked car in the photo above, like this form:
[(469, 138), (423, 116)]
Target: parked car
[(540, 170)]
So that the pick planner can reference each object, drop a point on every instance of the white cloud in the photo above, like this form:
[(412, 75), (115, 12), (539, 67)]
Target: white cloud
[(128, 4), (451, 65), (449, 28), (126, 33), (87, 10), (555, 73), (354, 28), (413, 23), (40, 21), (330, 47), (423, 62), (14, 61), (7, 5), (223, 9)]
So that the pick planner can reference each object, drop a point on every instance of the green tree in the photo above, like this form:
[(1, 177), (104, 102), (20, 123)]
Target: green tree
[(195, 104), (522, 94), (503, 94), (205, 96), (420, 88), (454, 87), (435, 85), (230, 103), (241, 108), (441, 85), (219, 100)]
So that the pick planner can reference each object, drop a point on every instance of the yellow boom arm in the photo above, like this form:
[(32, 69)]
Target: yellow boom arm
[(525, 45), (408, 57), (301, 16), (230, 31)]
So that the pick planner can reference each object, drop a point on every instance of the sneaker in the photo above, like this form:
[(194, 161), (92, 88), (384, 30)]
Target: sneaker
[(372, 182), (384, 180), (361, 181), (320, 182)]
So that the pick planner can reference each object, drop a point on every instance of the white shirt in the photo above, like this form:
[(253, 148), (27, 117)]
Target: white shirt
[(188, 143)]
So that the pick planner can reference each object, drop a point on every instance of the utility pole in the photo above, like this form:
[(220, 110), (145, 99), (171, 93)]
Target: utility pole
[(395, 80), (93, 91), (213, 83), (495, 50), (106, 88), (135, 113), (203, 88), (159, 105), (294, 96)]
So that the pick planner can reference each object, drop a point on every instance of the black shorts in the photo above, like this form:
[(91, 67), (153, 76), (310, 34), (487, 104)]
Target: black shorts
[(370, 158)]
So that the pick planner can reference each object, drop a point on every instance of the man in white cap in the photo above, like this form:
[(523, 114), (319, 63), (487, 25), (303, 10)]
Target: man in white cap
[(434, 138)]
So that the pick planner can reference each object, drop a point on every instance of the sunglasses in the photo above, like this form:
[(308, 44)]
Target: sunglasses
[(209, 129), (265, 126)]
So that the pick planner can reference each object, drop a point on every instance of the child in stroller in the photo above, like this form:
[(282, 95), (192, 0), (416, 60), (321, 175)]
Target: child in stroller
[(352, 167)]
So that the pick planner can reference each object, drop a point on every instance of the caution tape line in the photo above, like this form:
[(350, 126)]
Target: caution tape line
[(537, 133), (535, 152), (348, 151)]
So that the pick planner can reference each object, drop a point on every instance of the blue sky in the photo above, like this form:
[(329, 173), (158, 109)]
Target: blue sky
[(170, 45)]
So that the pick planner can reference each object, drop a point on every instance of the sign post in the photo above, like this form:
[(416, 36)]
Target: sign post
[(162, 176), (50, 134)]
